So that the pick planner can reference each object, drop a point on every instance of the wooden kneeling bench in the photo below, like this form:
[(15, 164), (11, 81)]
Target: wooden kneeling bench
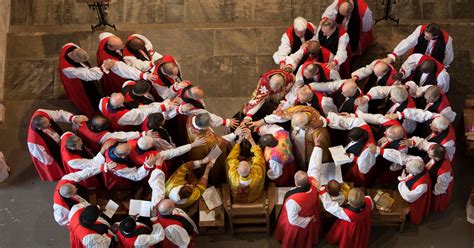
[(249, 217)]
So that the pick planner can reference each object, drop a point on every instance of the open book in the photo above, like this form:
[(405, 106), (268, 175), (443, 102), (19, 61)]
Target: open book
[(111, 208), (211, 198), (330, 171), (142, 208), (214, 153), (339, 156)]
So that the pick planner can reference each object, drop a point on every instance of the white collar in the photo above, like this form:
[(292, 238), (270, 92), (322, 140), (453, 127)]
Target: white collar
[(174, 196), (196, 126)]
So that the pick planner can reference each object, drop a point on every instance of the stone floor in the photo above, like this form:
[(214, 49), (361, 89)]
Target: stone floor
[(26, 203)]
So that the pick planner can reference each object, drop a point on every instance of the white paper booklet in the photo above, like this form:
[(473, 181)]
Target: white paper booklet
[(142, 208), (111, 208), (211, 216), (330, 171), (339, 156), (211, 198), (214, 153), (281, 191)]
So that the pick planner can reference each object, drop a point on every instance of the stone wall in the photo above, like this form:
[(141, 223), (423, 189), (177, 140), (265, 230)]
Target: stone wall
[(60, 12)]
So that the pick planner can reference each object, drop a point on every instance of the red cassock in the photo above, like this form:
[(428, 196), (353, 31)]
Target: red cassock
[(111, 82), (59, 200), (163, 81), (78, 232), (91, 139), (129, 240), (353, 234), (332, 44), (360, 40), (114, 115), (354, 175), (432, 78), (293, 236), (75, 88), (295, 41), (441, 202), (54, 170), (67, 156), (324, 73), (112, 181), (175, 219), (138, 157), (420, 208)]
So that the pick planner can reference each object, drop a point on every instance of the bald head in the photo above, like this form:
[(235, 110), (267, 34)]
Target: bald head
[(170, 69), (99, 123), (345, 8), (380, 69), (395, 132), (310, 70), (67, 190), (268, 140), (202, 120), (79, 55), (277, 82), (166, 207), (415, 166), (123, 149), (196, 93), (398, 94), (136, 44), (299, 120), (40, 122), (305, 94), (439, 124), (432, 94), (427, 66), (301, 179), (349, 89), (243, 169), (117, 100), (356, 198), (114, 43), (145, 142)]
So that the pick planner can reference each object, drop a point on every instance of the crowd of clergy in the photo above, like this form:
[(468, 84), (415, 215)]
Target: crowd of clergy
[(145, 129)]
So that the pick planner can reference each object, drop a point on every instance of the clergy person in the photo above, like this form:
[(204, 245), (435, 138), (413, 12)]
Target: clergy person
[(110, 48), (415, 183), (431, 98), (66, 193), (44, 138), (292, 39), (336, 40), (180, 229), (306, 125), (199, 126), (122, 176), (424, 70), (95, 132), (76, 157), (134, 232), (246, 175), (298, 224), (355, 17), (79, 78), (359, 145), (377, 73), (278, 152), (183, 188), (428, 39), (137, 93), (168, 79), (138, 53), (87, 228), (124, 119), (353, 227), (310, 51), (441, 173)]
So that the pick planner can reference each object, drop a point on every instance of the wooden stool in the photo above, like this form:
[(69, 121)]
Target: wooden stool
[(212, 227), (250, 217), (396, 217)]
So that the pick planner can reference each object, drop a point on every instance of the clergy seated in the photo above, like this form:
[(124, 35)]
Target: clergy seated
[(246, 172), (183, 188), (336, 193)]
